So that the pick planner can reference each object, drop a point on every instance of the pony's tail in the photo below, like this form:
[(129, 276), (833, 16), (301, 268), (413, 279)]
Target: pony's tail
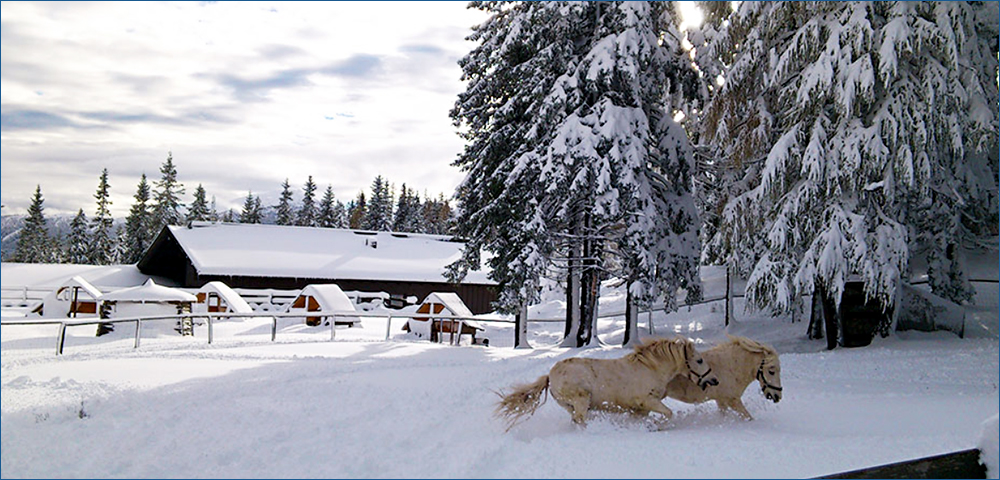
[(522, 402)]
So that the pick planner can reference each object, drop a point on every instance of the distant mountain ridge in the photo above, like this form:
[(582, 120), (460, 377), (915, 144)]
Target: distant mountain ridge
[(10, 230), (59, 226)]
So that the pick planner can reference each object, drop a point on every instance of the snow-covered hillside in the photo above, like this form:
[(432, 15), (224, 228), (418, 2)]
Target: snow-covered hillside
[(364, 407)]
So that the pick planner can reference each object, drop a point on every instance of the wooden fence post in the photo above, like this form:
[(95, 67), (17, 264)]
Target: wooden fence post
[(61, 338)]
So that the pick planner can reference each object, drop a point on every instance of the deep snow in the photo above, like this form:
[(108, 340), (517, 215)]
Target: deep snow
[(364, 407)]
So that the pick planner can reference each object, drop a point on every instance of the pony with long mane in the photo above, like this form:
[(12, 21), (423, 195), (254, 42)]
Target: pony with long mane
[(736, 363), (635, 383)]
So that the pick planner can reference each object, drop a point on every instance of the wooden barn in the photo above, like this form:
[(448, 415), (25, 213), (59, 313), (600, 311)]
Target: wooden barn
[(284, 257)]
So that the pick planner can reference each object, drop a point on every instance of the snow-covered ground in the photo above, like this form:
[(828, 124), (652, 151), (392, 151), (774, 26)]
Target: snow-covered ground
[(361, 406)]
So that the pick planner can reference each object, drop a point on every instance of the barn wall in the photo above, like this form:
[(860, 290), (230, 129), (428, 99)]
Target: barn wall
[(477, 297)]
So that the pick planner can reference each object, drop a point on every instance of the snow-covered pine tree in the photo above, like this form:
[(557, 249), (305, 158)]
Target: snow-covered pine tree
[(572, 147), (356, 211), (435, 215), (285, 208), (858, 135), (166, 198), (378, 215), (251, 209), (213, 212), (331, 211), (408, 212), (199, 210), (137, 224), (78, 240), (307, 212), (102, 234), (229, 217), (522, 48), (34, 243)]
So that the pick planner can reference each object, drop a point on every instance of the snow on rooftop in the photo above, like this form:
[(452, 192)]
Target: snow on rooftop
[(103, 277), (329, 296), (451, 301), (148, 292), (235, 302), (327, 253)]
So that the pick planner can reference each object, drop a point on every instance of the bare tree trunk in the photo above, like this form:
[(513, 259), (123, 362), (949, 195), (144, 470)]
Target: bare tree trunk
[(729, 293), (631, 319), (590, 285), (815, 329), (831, 317), (572, 294), (521, 327)]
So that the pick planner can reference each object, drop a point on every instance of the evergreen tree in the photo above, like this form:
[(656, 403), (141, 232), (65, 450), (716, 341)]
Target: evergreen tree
[(34, 244), (213, 212), (120, 253), (137, 224), (378, 215), (252, 211), (435, 215), (854, 135), (199, 209), (356, 211), (78, 241), (331, 211), (229, 216), (307, 213), (166, 198), (285, 208), (572, 149), (102, 234), (408, 216)]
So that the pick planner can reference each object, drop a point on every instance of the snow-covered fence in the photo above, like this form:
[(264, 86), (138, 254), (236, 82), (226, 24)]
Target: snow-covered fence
[(267, 299), (24, 294), (211, 317)]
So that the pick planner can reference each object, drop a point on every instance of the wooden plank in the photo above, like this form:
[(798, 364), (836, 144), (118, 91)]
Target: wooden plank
[(963, 464)]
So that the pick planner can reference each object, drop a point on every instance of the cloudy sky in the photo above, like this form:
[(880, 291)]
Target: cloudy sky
[(243, 94)]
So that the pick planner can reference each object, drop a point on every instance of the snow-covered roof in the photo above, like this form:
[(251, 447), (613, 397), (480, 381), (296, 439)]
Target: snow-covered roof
[(329, 296), (235, 302), (451, 301), (52, 276), (78, 281), (148, 292), (453, 305), (56, 305), (324, 253)]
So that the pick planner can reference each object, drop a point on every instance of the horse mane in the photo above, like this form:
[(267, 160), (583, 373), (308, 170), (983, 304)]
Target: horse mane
[(752, 346), (649, 352)]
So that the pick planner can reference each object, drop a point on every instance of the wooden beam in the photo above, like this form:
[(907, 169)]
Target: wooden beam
[(963, 464)]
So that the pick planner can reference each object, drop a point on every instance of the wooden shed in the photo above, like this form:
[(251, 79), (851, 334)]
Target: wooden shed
[(217, 297), (444, 303), (148, 299), (75, 297), (324, 298)]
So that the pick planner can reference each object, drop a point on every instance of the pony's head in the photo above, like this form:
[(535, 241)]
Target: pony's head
[(769, 377), (699, 370), (768, 371), (679, 352)]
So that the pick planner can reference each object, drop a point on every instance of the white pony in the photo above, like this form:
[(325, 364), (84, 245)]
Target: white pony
[(737, 363), (633, 384)]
